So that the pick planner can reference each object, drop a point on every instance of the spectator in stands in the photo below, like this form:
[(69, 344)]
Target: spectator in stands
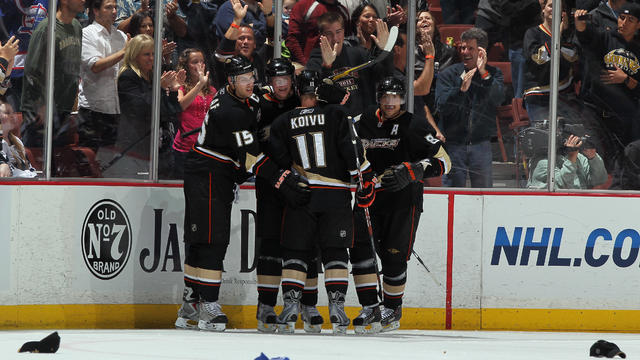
[(102, 50), (522, 14), (629, 178), (333, 58), (254, 16), (13, 156), (398, 14), (173, 17), (585, 4), (614, 82), (194, 97), (458, 11), (492, 21), (287, 6), (605, 15), (351, 5), (422, 77), (126, 9), (363, 26), (238, 40), (506, 21), (303, 33), (8, 53), (68, 44), (444, 56), (20, 19), (174, 29), (604, 18), (537, 47), (576, 168), (467, 95), (135, 96), (142, 23), (200, 28)]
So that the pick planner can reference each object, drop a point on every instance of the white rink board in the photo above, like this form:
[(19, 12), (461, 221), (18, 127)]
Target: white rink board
[(7, 209), (467, 244), (572, 277), (42, 261), (51, 269), (431, 245)]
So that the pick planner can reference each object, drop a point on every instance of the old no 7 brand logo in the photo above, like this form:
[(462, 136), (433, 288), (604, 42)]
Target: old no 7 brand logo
[(106, 239)]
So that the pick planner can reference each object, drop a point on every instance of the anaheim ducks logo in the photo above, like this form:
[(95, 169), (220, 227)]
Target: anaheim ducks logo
[(624, 59), (384, 143)]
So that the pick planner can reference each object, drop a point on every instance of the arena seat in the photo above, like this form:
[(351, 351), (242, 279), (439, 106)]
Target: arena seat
[(452, 30)]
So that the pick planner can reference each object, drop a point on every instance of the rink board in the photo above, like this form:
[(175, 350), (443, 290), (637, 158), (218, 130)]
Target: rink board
[(110, 256)]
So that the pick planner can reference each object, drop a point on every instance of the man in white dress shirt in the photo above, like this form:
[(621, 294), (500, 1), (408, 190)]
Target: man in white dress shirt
[(102, 50)]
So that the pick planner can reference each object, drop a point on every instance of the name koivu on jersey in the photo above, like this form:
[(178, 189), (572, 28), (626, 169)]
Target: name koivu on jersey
[(380, 143), (307, 120)]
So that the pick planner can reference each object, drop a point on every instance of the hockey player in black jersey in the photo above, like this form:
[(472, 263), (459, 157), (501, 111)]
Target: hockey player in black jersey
[(278, 99), (399, 147), (316, 141), (226, 153)]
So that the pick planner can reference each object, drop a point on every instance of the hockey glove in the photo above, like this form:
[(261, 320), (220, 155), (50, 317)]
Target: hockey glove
[(330, 93), (366, 194), (294, 188), (397, 177)]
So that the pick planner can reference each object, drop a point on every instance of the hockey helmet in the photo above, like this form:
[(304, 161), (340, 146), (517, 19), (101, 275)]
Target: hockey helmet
[(393, 86), (279, 67), (237, 65), (307, 82)]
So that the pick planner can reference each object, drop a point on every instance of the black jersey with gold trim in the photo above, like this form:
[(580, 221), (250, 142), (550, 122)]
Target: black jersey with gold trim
[(270, 109), (537, 52), (228, 139), (393, 141), (612, 51), (317, 143)]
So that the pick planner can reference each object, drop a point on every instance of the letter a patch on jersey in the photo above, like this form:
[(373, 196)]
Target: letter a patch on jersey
[(394, 131)]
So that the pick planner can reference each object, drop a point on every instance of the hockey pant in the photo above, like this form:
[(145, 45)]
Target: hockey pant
[(394, 235)]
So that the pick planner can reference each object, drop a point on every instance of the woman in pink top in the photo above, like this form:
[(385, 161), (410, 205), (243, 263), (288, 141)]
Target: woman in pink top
[(194, 98)]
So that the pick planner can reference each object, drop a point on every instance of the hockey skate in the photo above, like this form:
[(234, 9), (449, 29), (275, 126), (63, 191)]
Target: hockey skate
[(188, 316), (391, 318), (338, 317), (368, 321), (289, 315), (266, 318), (211, 317), (311, 318)]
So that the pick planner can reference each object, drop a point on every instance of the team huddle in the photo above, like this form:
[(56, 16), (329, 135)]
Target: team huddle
[(305, 152)]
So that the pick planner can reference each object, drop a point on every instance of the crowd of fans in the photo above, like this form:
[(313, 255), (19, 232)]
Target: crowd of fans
[(103, 77)]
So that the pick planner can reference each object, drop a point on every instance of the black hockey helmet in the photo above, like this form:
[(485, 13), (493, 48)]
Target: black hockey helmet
[(237, 65), (390, 85), (279, 67), (307, 82)]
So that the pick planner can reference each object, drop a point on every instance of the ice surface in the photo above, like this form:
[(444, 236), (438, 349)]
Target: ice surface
[(247, 345)]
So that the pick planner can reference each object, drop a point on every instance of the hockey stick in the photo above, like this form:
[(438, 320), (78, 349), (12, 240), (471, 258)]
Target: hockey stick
[(191, 132), (391, 41), (426, 268), (124, 152), (367, 217)]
